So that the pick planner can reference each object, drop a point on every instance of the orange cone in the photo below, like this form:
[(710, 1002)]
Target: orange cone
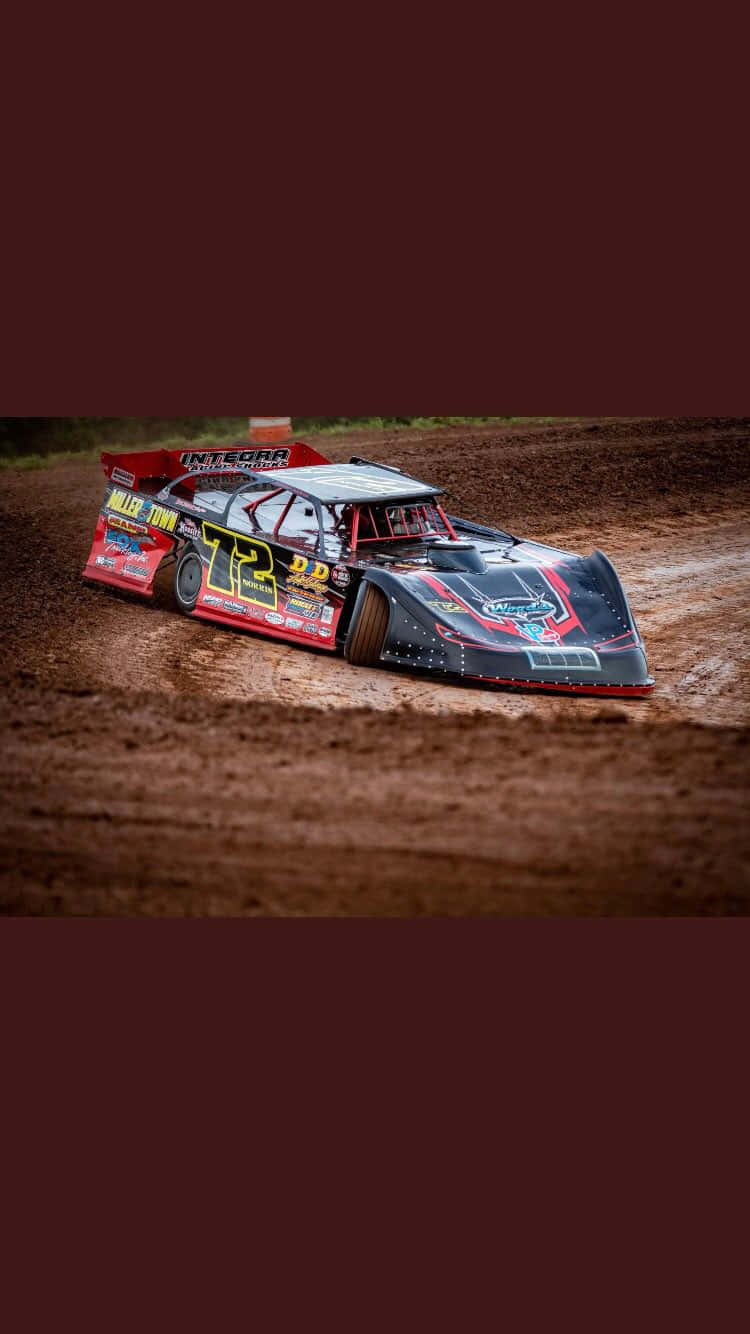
[(267, 430)]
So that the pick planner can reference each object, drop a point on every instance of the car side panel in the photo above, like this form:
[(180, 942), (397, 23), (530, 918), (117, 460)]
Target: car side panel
[(133, 535), (258, 584)]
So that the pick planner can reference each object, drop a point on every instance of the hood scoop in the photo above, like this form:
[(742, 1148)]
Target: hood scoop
[(457, 557)]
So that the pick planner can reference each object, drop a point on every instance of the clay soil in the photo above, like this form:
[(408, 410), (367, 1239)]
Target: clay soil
[(158, 766)]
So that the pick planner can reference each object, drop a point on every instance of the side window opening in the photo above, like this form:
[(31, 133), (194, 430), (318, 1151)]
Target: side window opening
[(299, 523)]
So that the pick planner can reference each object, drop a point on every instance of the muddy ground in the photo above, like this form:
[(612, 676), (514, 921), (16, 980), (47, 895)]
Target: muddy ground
[(155, 765)]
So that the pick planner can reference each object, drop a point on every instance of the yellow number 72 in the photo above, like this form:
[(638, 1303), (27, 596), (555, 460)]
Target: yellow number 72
[(240, 566)]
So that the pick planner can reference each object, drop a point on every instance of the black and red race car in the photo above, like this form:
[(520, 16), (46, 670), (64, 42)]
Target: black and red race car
[(359, 558)]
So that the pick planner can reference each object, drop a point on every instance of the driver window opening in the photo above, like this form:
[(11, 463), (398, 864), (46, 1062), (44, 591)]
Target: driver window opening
[(299, 523)]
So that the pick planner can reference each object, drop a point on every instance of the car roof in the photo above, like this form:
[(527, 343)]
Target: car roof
[(350, 483)]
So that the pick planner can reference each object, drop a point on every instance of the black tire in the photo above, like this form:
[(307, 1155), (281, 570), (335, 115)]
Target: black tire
[(365, 643), (188, 580)]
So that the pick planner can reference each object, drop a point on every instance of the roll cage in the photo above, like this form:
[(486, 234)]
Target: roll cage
[(362, 522)]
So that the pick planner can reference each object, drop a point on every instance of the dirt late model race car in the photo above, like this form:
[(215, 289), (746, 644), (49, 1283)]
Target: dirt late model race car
[(362, 559)]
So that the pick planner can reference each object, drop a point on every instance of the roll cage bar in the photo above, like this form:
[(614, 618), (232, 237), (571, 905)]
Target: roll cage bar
[(296, 492)]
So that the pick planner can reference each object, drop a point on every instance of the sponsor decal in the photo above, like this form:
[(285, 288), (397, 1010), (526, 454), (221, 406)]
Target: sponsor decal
[(235, 607), (325, 632), (106, 562), (133, 507), (304, 607), (450, 608), (293, 624), (302, 583), (124, 478), (255, 612), (135, 572), (210, 601), (310, 629), (159, 517), (327, 616), (313, 570), (186, 528), (126, 545), (527, 614), (341, 576), (254, 459), (273, 618), (127, 526), (130, 506)]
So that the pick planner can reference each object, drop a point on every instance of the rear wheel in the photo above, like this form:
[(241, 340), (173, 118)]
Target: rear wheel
[(365, 644), (188, 581)]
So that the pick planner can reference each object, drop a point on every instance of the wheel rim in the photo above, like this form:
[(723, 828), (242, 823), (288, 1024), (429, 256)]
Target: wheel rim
[(189, 580)]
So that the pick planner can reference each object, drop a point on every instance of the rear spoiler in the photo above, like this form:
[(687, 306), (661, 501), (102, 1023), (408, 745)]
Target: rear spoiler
[(132, 470)]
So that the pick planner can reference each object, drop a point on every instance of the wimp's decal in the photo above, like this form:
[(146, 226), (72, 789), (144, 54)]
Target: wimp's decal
[(529, 615), (520, 609)]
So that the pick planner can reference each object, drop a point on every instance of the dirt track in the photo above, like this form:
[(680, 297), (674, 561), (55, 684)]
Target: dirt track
[(157, 765)]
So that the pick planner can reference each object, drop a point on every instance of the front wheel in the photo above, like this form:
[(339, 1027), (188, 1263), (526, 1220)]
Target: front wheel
[(188, 581), (364, 647)]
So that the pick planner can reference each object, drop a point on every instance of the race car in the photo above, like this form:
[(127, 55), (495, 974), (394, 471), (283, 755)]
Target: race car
[(363, 560)]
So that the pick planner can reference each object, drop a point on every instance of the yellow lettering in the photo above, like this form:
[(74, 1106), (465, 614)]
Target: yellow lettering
[(299, 565)]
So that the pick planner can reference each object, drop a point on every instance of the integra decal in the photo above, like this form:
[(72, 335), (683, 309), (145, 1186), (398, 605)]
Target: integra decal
[(254, 459), (133, 507)]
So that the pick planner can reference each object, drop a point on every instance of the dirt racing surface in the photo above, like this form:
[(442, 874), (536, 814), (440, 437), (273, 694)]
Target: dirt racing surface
[(156, 765)]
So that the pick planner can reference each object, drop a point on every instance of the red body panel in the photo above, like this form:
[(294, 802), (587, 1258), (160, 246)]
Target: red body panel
[(126, 554)]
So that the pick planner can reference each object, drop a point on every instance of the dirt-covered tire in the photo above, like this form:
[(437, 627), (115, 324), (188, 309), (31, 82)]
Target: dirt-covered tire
[(365, 643), (188, 580)]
